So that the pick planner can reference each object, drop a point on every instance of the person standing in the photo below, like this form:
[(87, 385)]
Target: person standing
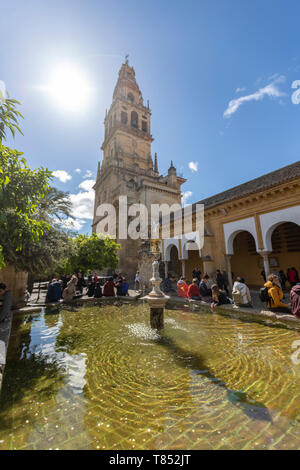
[(282, 278), (137, 281), (293, 276), (219, 279), (80, 282), (197, 274), (226, 281)]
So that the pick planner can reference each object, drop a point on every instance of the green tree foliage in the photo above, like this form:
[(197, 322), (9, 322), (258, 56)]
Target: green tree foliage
[(95, 252), (21, 190), (8, 117), (2, 263)]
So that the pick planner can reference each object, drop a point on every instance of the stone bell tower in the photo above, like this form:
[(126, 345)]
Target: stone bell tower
[(127, 167)]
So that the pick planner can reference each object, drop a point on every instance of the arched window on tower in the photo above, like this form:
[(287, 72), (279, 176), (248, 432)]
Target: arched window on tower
[(124, 117), (144, 126), (134, 119), (130, 97)]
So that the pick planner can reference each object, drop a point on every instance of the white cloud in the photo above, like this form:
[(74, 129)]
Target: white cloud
[(270, 90), (78, 170), (2, 92), (185, 196), (83, 204), (88, 174), (238, 90), (193, 166), (62, 175), (72, 224), (87, 184)]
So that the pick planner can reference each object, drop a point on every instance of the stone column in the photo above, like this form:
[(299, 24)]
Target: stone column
[(265, 256), (166, 268), (228, 259), (183, 267)]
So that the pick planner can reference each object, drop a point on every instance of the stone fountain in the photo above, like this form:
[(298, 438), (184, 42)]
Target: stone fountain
[(156, 299)]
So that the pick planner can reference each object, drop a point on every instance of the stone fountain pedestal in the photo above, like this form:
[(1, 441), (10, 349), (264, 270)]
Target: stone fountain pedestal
[(156, 299)]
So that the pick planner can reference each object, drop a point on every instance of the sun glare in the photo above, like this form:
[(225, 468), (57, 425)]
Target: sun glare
[(69, 88)]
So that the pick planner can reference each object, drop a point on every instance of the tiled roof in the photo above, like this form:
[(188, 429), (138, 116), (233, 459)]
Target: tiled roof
[(274, 178)]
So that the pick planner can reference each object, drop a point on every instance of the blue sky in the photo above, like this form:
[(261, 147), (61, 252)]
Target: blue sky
[(192, 58)]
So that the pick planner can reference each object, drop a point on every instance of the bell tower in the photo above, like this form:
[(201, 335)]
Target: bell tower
[(127, 138), (127, 167)]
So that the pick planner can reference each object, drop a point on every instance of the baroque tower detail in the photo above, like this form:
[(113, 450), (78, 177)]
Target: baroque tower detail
[(127, 167)]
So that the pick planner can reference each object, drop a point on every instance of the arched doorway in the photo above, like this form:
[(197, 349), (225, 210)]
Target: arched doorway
[(245, 261), (285, 241), (174, 264), (192, 259)]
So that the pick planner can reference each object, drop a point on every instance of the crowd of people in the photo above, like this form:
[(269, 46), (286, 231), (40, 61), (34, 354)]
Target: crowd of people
[(216, 291), (73, 287), (291, 276)]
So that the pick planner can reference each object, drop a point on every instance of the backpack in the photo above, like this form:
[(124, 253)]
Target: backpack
[(263, 294), (237, 297)]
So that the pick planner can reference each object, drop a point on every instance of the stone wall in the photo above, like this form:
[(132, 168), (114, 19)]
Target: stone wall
[(16, 281), (146, 258)]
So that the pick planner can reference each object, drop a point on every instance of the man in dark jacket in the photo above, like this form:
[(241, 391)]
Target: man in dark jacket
[(6, 302), (295, 300), (220, 280), (54, 291), (205, 291)]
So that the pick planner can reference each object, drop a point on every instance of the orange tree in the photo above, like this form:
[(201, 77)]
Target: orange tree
[(92, 253)]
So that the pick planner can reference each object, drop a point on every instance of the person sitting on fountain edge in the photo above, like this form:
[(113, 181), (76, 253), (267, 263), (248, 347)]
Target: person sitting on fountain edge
[(182, 287), (205, 291), (193, 290), (109, 288)]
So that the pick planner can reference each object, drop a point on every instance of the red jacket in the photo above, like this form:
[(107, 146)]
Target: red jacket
[(194, 291), (292, 275)]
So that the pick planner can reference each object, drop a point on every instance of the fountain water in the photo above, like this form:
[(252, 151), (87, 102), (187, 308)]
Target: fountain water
[(156, 299)]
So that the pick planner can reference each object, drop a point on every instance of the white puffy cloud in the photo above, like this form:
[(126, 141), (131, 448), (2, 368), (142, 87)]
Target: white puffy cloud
[(193, 166), (270, 90), (87, 184), (78, 170), (185, 196), (62, 175), (83, 204)]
